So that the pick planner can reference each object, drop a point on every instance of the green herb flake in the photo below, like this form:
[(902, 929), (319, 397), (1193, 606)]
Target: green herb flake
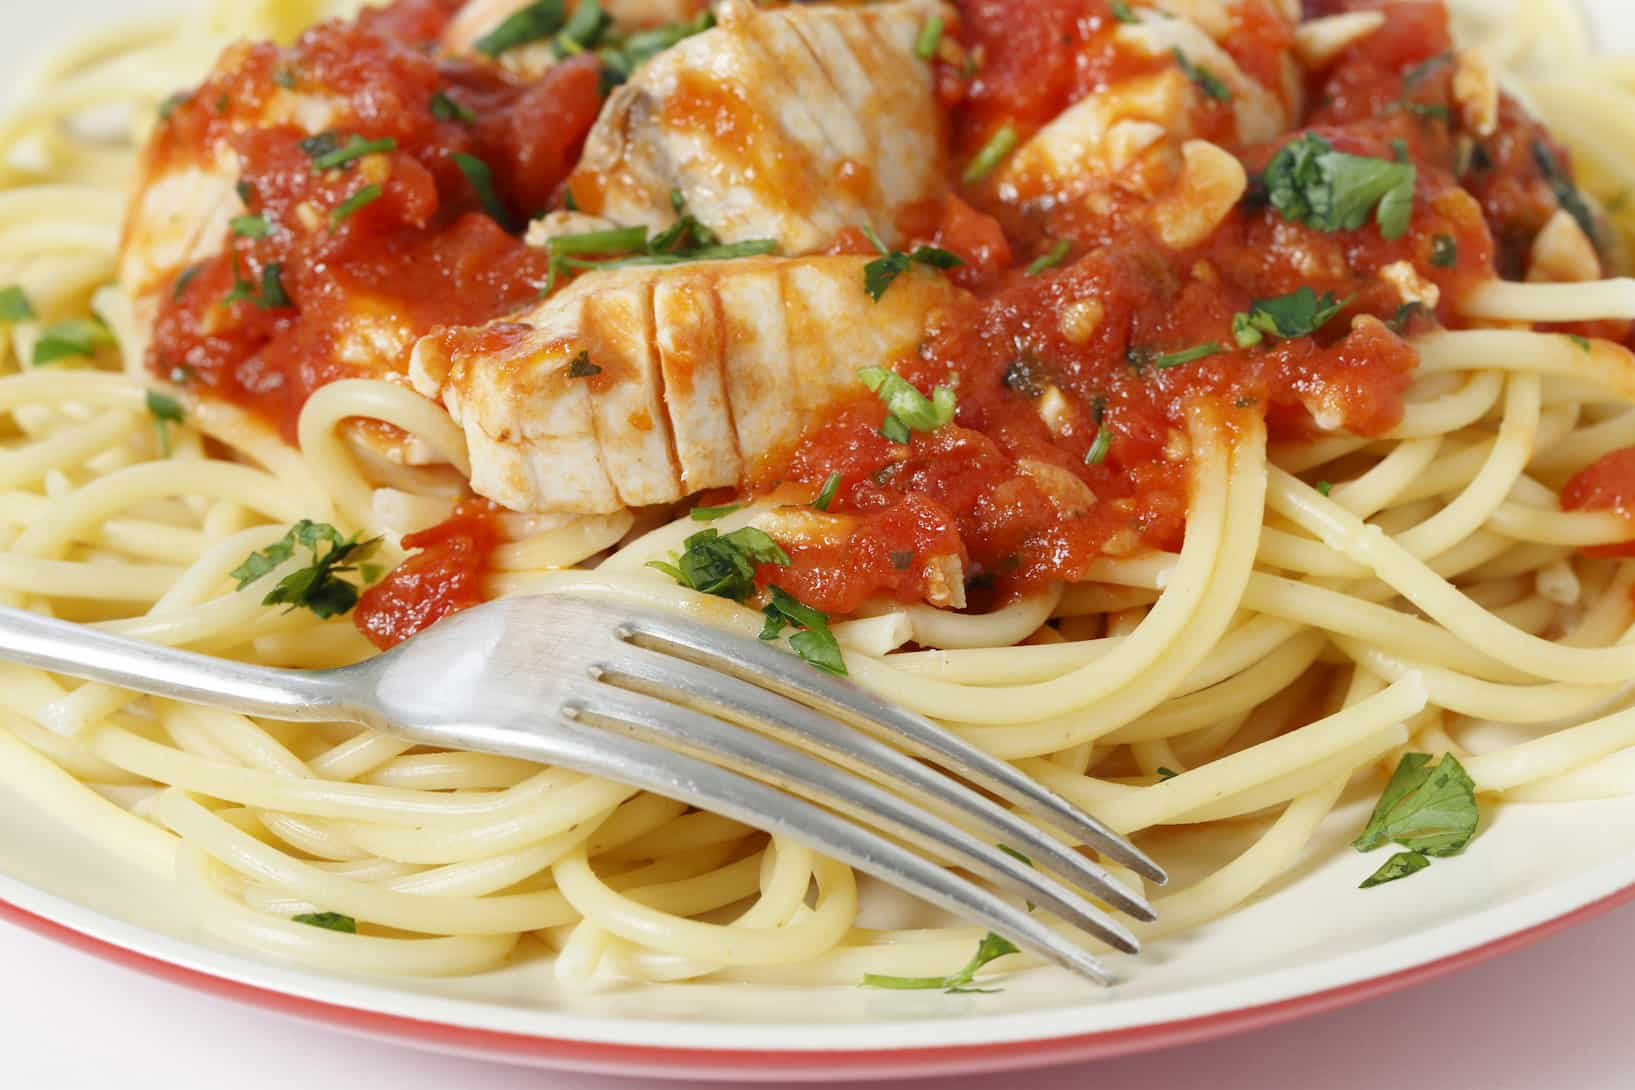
[(1014, 854), (826, 495), (1300, 313), (991, 948), (329, 921), (165, 411), (319, 586), (1444, 251), (881, 273), (270, 295), (1400, 865), (1099, 447), (445, 108), (1166, 773), (582, 367), (533, 23), (252, 226), (1425, 808), (73, 338), (723, 564), (1311, 183), (185, 279), (1142, 357), (711, 514), (994, 152), (1208, 82), (814, 643), (481, 177), (353, 150), (1581, 341), (356, 203), (1050, 258), (912, 410), (174, 102), (1122, 12), (1566, 193), (1325, 488), (925, 46), (1430, 111), (1416, 75), (15, 306)]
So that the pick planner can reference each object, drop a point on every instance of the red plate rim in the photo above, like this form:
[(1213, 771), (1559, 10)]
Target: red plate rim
[(798, 1064)]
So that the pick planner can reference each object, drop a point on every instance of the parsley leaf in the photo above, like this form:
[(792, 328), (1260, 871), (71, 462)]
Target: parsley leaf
[(333, 154), (815, 643), (445, 108), (318, 586), (723, 564), (906, 406), (1566, 193), (1309, 182), (252, 226), (165, 411), (70, 339), (481, 177), (1581, 341), (1425, 808), (1444, 251), (1103, 443), (358, 201), (710, 514), (925, 46), (991, 948), (1208, 82), (684, 241), (15, 306), (1141, 357), (329, 921), (1050, 259), (1121, 11), (1300, 313), (1400, 865), (269, 296), (826, 495), (881, 273), (986, 161), (538, 20), (622, 56)]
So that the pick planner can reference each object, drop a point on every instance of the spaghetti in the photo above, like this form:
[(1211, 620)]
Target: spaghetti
[(1319, 603)]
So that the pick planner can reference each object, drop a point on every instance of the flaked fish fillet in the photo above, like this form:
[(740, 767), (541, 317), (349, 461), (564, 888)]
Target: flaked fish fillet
[(642, 386), (790, 124)]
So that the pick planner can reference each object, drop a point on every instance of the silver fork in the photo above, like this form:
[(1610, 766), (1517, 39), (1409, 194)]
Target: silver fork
[(666, 704)]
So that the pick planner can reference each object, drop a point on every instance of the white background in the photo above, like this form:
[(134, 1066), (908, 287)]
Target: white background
[(1560, 1014)]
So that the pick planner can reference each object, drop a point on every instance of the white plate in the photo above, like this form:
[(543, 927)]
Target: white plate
[(1314, 942)]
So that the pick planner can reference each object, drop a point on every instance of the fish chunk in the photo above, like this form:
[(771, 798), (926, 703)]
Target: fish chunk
[(641, 386), (788, 124), (1143, 120)]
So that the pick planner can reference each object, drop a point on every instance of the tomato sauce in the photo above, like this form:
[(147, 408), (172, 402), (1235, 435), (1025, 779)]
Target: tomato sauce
[(1607, 485), (443, 576), (340, 269)]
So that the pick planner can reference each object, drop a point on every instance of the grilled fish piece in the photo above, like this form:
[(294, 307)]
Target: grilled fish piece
[(788, 124), (642, 386)]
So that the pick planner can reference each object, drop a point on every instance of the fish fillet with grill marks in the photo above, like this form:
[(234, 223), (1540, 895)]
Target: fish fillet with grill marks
[(642, 386), (788, 124)]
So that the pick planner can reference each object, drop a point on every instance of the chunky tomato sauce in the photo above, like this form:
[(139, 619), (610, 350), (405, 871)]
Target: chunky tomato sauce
[(340, 268), (1018, 490), (444, 575)]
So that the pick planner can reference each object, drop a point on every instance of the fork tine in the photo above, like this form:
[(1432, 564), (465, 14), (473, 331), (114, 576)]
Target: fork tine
[(581, 743), (791, 721), (679, 728), (769, 667)]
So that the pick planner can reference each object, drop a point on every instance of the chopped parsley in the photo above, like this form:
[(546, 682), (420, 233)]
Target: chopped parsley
[(1300, 313), (991, 948), (72, 338), (584, 28), (15, 306), (1050, 258), (826, 495), (354, 204), (1430, 111), (814, 643), (329, 921), (1142, 357), (1122, 12), (1581, 341), (908, 410), (986, 161), (252, 226), (1311, 183), (615, 240), (582, 367), (1400, 865), (538, 20), (319, 586), (1103, 443), (621, 56), (1208, 82), (1014, 854), (445, 108), (270, 295), (723, 564), (1025, 374), (1414, 76), (1166, 773), (165, 411), (710, 514), (481, 177), (335, 155), (684, 241), (1428, 809), (1444, 251), (1566, 193), (925, 46), (174, 102), (881, 273), (1325, 488)]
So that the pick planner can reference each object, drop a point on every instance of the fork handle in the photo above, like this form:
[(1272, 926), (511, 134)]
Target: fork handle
[(93, 655)]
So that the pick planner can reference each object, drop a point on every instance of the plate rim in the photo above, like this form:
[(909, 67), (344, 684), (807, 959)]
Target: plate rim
[(834, 1064)]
